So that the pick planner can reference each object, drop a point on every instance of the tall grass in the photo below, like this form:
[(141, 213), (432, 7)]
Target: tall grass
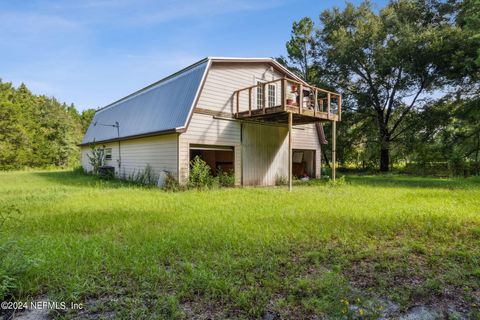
[(245, 253)]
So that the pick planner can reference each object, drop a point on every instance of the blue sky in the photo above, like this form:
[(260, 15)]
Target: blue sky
[(94, 52)]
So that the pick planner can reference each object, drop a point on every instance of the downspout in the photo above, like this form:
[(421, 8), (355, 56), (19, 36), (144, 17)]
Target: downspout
[(119, 149)]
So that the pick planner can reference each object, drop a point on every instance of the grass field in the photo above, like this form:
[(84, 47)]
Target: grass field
[(375, 245)]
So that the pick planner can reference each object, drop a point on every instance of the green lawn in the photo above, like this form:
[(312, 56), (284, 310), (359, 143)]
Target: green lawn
[(346, 250)]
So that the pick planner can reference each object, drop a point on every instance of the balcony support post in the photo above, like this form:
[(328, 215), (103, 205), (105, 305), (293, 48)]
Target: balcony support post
[(334, 149), (290, 121), (339, 109)]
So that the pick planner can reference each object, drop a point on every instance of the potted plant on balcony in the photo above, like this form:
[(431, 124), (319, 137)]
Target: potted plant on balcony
[(292, 96)]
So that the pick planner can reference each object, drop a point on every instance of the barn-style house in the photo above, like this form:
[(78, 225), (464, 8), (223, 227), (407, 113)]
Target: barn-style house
[(251, 116)]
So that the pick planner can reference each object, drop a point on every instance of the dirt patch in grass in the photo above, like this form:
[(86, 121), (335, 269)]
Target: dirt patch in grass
[(411, 283)]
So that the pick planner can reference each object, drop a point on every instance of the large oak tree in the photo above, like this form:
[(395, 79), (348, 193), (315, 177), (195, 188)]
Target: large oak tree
[(389, 62)]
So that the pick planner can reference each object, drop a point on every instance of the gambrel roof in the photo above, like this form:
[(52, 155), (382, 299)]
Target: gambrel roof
[(162, 107)]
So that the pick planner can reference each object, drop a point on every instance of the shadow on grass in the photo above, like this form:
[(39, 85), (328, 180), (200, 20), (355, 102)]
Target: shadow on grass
[(80, 179), (414, 182)]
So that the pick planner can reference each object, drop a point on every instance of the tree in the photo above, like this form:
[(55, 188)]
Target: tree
[(36, 131), (388, 62), (301, 50), (86, 118), (469, 18), (96, 157)]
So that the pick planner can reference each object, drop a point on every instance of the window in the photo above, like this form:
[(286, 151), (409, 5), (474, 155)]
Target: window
[(271, 95), (108, 153), (260, 94)]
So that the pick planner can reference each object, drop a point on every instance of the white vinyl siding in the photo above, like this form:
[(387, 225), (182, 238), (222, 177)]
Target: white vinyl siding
[(265, 147), (160, 152), (207, 130), (224, 78)]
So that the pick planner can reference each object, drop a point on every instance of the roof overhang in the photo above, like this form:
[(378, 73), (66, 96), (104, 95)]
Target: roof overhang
[(138, 136)]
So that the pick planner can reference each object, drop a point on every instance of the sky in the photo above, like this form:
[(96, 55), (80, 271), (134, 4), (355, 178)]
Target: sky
[(91, 53)]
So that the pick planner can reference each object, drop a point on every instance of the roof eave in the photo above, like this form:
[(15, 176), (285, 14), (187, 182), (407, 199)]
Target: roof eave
[(136, 136)]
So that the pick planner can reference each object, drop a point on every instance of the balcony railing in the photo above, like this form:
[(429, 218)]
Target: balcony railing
[(286, 95)]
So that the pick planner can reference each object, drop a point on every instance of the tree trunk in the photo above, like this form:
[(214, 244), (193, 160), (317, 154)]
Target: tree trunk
[(384, 159), (384, 136), (326, 159), (385, 153)]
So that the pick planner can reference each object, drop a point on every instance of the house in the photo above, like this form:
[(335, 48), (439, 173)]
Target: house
[(249, 115)]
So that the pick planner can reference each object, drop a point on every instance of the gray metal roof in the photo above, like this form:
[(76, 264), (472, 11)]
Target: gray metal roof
[(161, 107)]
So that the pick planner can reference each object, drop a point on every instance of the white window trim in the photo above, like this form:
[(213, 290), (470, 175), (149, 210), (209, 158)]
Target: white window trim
[(273, 102), (257, 104)]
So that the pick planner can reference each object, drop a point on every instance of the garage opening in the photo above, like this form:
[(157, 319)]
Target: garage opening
[(303, 164), (219, 158)]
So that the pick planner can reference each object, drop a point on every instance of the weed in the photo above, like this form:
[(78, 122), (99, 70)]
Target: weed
[(226, 178), (200, 176), (281, 180)]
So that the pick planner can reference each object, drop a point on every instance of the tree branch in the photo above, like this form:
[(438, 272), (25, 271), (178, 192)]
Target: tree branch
[(406, 111), (392, 96)]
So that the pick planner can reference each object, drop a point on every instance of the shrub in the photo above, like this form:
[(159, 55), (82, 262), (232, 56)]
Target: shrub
[(96, 158), (200, 176), (170, 183), (281, 180), (340, 181), (226, 178), (145, 177)]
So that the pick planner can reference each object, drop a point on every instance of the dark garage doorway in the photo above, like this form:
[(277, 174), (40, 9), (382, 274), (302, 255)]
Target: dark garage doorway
[(218, 158), (303, 163)]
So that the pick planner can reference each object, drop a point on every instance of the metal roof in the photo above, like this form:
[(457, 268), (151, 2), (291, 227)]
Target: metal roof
[(161, 107), (164, 106)]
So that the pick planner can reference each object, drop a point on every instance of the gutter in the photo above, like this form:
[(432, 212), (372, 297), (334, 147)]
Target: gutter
[(137, 136)]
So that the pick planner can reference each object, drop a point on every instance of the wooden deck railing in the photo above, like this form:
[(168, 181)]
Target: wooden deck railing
[(284, 95)]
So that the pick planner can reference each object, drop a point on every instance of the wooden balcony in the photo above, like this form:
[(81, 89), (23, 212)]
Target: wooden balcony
[(273, 101)]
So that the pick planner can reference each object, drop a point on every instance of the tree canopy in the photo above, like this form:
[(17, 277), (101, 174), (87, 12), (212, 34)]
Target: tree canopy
[(38, 131), (394, 66)]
